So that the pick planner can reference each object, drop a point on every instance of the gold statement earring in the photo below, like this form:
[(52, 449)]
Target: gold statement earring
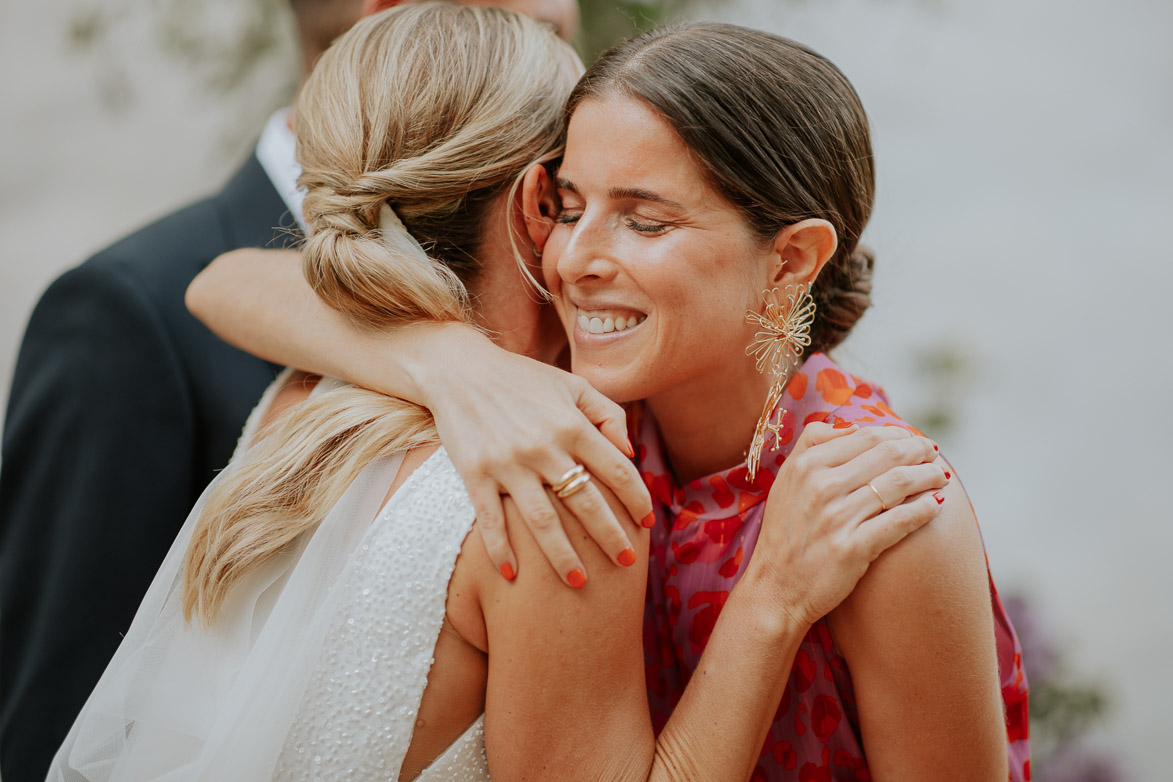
[(783, 335)]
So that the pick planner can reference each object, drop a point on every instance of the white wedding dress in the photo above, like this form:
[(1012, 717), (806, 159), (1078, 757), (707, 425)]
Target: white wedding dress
[(316, 666)]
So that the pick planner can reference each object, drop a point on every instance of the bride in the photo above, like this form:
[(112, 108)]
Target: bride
[(322, 614)]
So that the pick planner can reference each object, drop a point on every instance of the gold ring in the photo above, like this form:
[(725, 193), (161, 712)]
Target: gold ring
[(575, 486), (570, 475), (883, 507)]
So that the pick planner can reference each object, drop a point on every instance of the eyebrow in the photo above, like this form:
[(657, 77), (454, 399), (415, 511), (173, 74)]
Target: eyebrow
[(621, 193)]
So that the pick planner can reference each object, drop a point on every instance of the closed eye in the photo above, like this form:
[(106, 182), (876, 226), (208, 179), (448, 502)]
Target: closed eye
[(646, 228)]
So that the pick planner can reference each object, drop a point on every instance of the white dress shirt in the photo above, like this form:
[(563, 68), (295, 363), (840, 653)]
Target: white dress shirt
[(276, 152)]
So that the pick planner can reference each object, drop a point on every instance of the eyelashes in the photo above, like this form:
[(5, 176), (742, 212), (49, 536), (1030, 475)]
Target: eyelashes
[(651, 229), (648, 229)]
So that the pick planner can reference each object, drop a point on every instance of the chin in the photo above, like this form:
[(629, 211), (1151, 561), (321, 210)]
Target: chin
[(617, 385)]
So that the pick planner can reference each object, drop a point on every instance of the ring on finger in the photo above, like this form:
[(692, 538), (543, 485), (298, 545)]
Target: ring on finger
[(574, 472), (575, 486), (883, 505)]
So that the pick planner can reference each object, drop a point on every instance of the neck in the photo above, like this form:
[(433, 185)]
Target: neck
[(707, 425), (506, 305)]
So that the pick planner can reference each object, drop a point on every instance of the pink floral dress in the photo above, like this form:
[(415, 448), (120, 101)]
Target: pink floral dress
[(703, 538)]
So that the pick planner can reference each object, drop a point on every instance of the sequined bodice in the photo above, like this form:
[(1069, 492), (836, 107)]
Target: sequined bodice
[(356, 718)]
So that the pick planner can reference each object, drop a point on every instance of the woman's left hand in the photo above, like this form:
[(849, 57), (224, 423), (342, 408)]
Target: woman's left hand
[(841, 498)]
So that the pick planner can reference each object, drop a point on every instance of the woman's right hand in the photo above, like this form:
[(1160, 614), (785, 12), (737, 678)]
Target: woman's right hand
[(842, 498), (514, 426)]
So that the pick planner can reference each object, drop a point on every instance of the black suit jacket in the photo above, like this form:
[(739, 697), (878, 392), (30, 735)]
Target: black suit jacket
[(122, 407)]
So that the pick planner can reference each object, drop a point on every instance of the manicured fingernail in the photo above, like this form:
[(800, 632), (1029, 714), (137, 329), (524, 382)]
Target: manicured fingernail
[(627, 557), (507, 571), (935, 448), (576, 578), (630, 449), (948, 475), (648, 521), (939, 497)]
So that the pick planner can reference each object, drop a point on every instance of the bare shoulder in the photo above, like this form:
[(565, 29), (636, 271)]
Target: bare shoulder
[(562, 658), (918, 637), (945, 554), (538, 590), (296, 388)]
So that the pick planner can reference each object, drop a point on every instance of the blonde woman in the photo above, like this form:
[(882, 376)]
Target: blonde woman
[(704, 164), (323, 614)]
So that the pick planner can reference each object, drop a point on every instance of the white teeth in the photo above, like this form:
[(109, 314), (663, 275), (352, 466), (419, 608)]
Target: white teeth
[(605, 324)]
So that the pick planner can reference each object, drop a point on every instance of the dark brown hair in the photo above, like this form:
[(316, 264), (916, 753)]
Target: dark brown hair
[(779, 131)]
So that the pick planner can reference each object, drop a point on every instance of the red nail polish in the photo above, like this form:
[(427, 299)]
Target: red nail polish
[(576, 578), (507, 571), (630, 449), (939, 497), (648, 521), (947, 475), (935, 448), (627, 557)]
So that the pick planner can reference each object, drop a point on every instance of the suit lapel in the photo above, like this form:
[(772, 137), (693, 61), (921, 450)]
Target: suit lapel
[(253, 213)]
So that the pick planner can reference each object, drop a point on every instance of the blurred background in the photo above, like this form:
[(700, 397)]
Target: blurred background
[(1025, 159)]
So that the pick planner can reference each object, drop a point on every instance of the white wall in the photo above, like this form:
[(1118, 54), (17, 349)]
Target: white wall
[(1025, 196)]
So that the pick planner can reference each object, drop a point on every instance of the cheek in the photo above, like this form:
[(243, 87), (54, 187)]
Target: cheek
[(550, 255), (702, 316)]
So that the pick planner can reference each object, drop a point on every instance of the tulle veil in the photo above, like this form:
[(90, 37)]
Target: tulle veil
[(178, 703)]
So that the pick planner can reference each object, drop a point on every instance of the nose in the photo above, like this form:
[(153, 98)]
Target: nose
[(588, 255)]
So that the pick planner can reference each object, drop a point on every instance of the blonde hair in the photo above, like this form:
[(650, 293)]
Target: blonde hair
[(434, 110)]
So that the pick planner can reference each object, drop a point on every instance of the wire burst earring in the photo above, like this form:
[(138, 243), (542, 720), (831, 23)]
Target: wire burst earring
[(783, 334)]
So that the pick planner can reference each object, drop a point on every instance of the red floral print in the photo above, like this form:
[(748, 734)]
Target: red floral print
[(705, 534)]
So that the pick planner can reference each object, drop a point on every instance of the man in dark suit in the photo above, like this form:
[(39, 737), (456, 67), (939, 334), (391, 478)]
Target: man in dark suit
[(122, 408)]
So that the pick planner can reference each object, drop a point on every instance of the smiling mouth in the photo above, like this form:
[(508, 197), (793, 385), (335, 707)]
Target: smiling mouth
[(608, 321)]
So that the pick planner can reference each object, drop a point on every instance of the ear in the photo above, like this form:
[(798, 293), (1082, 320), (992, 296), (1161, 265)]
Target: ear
[(539, 205), (802, 250)]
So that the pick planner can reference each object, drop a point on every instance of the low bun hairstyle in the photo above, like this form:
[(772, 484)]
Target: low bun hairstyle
[(779, 132), (434, 113), (432, 110)]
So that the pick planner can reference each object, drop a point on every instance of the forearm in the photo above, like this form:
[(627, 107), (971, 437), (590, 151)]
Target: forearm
[(258, 301), (717, 729)]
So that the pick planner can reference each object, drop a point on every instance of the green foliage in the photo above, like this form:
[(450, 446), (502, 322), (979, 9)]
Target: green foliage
[(1061, 713), (607, 22), (945, 371)]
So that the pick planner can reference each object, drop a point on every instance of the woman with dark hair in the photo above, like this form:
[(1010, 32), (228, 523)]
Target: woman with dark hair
[(712, 171), (324, 614)]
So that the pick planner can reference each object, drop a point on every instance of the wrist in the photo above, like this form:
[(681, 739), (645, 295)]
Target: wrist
[(771, 606), (430, 356)]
